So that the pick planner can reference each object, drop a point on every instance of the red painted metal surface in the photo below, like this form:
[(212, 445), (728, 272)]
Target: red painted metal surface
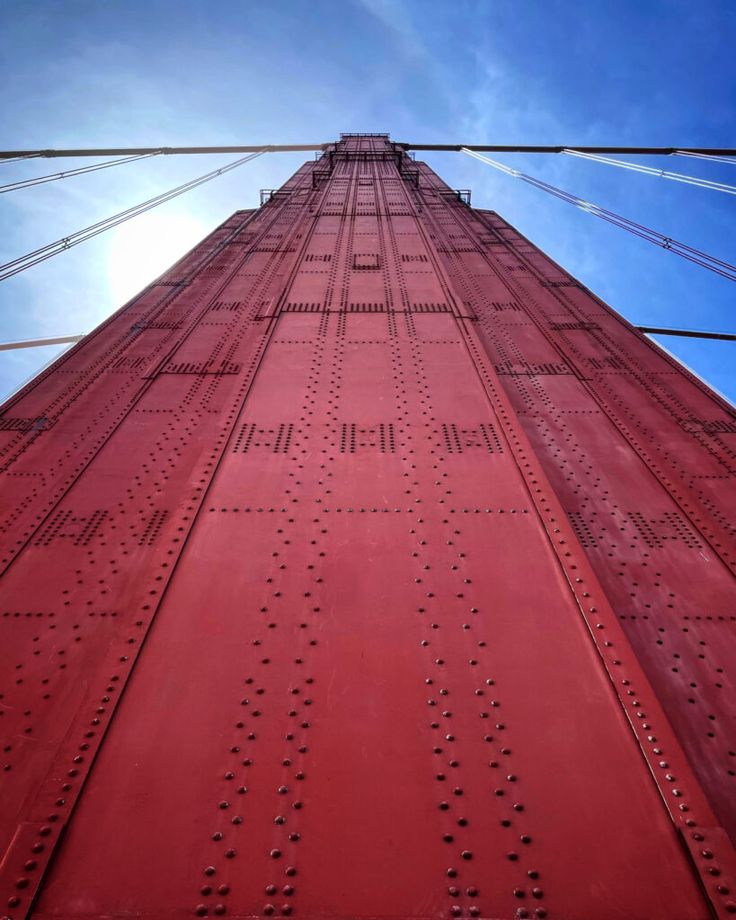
[(366, 565)]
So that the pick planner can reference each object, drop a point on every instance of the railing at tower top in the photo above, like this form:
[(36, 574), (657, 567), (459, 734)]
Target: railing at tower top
[(340, 152)]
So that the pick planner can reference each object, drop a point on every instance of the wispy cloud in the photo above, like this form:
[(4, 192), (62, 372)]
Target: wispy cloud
[(394, 16)]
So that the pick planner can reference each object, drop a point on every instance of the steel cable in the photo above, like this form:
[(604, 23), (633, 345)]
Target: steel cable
[(73, 239), (40, 180), (706, 156), (653, 171), (26, 156), (720, 267), (35, 343)]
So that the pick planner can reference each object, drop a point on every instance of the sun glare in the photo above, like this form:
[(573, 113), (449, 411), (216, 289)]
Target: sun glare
[(142, 249)]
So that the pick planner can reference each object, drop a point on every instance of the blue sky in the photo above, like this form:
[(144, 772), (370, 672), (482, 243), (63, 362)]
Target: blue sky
[(102, 72)]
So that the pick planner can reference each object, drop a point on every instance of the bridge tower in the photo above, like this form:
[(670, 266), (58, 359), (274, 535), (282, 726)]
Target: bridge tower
[(366, 565)]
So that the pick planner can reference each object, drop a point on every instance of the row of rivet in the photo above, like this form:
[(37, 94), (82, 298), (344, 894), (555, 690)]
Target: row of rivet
[(561, 535), (458, 557), (91, 739)]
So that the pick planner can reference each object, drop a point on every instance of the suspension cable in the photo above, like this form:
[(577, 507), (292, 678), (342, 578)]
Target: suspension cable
[(24, 156), (12, 155), (73, 239), (705, 156), (40, 180), (35, 343), (725, 269), (652, 171), (689, 333)]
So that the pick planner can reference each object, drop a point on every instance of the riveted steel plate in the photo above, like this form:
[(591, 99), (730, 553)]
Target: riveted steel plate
[(366, 566)]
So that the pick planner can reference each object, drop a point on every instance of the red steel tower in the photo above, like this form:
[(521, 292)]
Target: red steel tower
[(366, 565)]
